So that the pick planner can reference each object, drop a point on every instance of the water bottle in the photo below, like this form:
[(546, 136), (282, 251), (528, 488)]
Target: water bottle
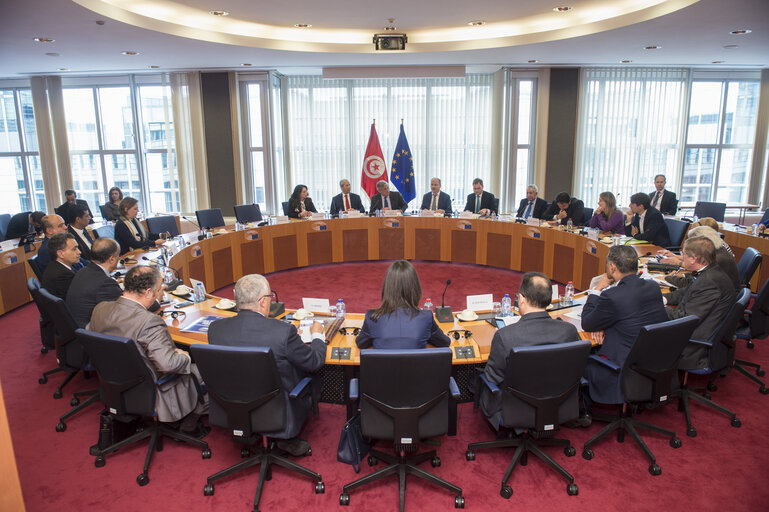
[(341, 309), (168, 276), (507, 305), (568, 294), (200, 295), (428, 305), (569, 225), (755, 229)]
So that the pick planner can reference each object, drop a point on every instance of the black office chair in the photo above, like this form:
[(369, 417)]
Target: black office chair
[(128, 390), (106, 231), (755, 325), (748, 265), (163, 224), (648, 377), (47, 329), (248, 399), (540, 392), (211, 218), (35, 267), (677, 229), (284, 204), (5, 219), (404, 397), (104, 212), (718, 347), (587, 215), (496, 206), (245, 213), (765, 217), (707, 209)]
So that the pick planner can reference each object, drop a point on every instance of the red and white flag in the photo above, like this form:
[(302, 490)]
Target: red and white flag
[(374, 168)]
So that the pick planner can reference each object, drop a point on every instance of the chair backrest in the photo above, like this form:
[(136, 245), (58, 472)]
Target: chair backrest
[(247, 395), (245, 213), (33, 285), (5, 219), (47, 329), (127, 385), (541, 386), (708, 209), (496, 205), (587, 216), (759, 314), (163, 224), (721, 352), (106, 231), (284, 204), (210, 218), (748, 265), (104, 211), (69, 352), (765, 217), (677, 229), (404, 394), (652, 363), (35, 267)]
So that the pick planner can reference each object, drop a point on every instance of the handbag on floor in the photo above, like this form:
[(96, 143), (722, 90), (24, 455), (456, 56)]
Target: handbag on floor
[(352, 446)]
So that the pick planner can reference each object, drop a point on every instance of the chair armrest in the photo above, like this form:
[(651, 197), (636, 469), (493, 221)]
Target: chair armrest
[(605, 362), (299, 388), (490, 385), (353, 389), (704, 343), (167, 378), (454, 388)]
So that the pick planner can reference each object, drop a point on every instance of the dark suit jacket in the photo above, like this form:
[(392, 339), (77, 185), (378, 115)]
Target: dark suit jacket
[(669, 204), (709, 297), (400, 331), (44, 258), (538, 212), (444, 202), (64, 210), (620, 311), (89, 287), (85, 251), (57, 278), (337, 204), (725, 260), (18, 226), (294, 359), (294, 209), (487, 202), (396, 202), (127, 241), (655, 230), (575, 212)]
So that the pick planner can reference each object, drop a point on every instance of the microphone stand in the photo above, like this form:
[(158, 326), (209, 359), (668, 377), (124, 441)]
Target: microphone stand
[(202, 236), (173, 284), (443, 314)]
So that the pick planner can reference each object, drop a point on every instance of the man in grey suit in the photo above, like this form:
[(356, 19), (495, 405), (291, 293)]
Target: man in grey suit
[(93, 284), (252, 327), (386, 199), (177, 399), (534, 328)]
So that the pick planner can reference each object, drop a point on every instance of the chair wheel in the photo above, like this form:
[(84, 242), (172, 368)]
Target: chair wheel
[(74, 402), (208, 490), (572, 489), (99, 462), (308, 452), (675, 442), (763, 390), (712, 386), (57, 394), (371, 460), (245, 452), (435, 462), (459, 502), (344, 499), (587, 454), (750, 344), (570, 451), (760, 372), (142, 479), (691, 432), (43, 350), (42, 380), (736, 423), (206, 453), (655, 470), (506, 492), (706, 395), (470, 455), (61, 426), (320, 487)]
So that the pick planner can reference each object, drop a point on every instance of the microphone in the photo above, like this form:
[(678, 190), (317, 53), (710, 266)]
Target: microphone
[(200, 237), (276, 308), (173, 284), (444, 314)]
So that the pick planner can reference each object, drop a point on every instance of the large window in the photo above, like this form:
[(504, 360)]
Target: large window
[(21, 178)]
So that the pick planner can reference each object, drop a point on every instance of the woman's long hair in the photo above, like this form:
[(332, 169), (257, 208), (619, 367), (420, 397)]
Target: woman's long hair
[(297, 192), (611, 204), (400, 290)]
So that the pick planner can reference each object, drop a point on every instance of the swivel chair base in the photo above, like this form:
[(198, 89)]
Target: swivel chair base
[(740, 364), (70, 375), (403, 465), (524, 445), (685, 394), (92, 395), (626, 423)]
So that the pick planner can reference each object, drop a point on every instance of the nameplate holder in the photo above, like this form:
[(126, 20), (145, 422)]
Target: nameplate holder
[(315, 305), (549, 427), (7, 245), (480, 302), (237, 433), (664, 398), (532, 221), (593, 234), (112, 410), (406, 440)]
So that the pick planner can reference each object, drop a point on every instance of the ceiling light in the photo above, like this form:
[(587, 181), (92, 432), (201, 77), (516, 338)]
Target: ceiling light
[(741, 32), (652, 47), (44, 40), (62, 69), (533, 61), (731, 46), (562, 8), (52, 54), (476, 23), (246, 64), (625, 61), (303, 25), (130, 52), (718, 62), (219, 13)]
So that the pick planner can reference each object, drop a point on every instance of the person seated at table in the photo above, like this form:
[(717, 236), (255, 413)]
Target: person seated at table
[(299, 205), (129, 232), (112, 206), (71, 200), (23, 223), (663, 200), (565, 207), (93, 284), (481, 202), (534, 328), (386, 199), (77, 226), (345, 201), (643, 222), (52, 225), (59, 273), (435, 200), (724, 258), (607, 217), (531, 205), (398, 323)]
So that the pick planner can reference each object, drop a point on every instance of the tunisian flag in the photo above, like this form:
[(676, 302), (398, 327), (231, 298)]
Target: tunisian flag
[(374, 168)]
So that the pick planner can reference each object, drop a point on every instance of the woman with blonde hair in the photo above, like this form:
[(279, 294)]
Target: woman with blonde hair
[(607, 217)]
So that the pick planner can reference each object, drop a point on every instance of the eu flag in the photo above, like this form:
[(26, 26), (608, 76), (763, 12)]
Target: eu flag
[(402, 174)]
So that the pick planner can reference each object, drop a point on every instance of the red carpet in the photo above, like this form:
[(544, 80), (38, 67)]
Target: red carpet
[(722, 469)]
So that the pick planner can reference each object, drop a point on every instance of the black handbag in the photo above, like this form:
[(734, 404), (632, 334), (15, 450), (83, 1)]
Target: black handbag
[(352, 446)]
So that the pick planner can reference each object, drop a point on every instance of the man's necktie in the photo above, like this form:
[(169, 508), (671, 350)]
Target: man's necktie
[(528, 210), (655, 203), (387, 202), (88, 237), (434, 204), (477, 204), (346, 202)]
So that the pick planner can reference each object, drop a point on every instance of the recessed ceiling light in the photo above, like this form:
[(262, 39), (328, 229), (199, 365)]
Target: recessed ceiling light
[(246, 64), (731, 46), (44, 40), (62, 69), (562, 8), (219, 13), (625, 61), (154, 67), (303, 25), (52, 54), (532, 61), (718, 62), (652, 47), (130, 52), (476, 23), (741, 32)]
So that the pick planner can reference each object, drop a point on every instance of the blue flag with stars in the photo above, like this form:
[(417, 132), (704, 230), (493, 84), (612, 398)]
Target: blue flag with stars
[(402, 174)]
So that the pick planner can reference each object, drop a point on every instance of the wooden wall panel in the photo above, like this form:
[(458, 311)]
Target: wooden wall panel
[(319, 248), (221, 260), (252, 256), (355, 244), (532, 255), (427, 244), (284, 252), (563, 263), (463, 245), (499, 250), (391, 243)]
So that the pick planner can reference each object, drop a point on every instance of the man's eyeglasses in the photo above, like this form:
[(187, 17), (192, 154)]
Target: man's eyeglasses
[(273, 296)]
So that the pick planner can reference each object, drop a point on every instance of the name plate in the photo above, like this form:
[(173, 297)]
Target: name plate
[(532, 221), (592, 234), (555, 295), (480, 302), (319, 215), (466, 215), (280, 219), (391, 213), (8, 245), (315, 305), (354, 213)]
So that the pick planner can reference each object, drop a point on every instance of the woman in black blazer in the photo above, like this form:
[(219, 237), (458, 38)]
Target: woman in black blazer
[(299, 205), (129, 232)]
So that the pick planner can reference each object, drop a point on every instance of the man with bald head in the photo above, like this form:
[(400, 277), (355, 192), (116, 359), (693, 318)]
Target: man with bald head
[(93, 284), (346, 201), (435, 200)]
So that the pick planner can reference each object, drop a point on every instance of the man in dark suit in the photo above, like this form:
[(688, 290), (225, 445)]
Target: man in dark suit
[(663, 200), (480, 202), (59, 273), (71, 200), (565, 207), (644, 222), (625, 304), (93, 284), (80, 218), (532, 206), (709, 297), (23, 223), (52, 225), (534, 328), (346, 200), (252, 328), (435, 200), (387, 199)]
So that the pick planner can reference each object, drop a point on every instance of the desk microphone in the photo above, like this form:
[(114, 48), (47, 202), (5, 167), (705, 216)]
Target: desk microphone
[(201, 236), (443, 314), (276, 308), (173, 284)]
